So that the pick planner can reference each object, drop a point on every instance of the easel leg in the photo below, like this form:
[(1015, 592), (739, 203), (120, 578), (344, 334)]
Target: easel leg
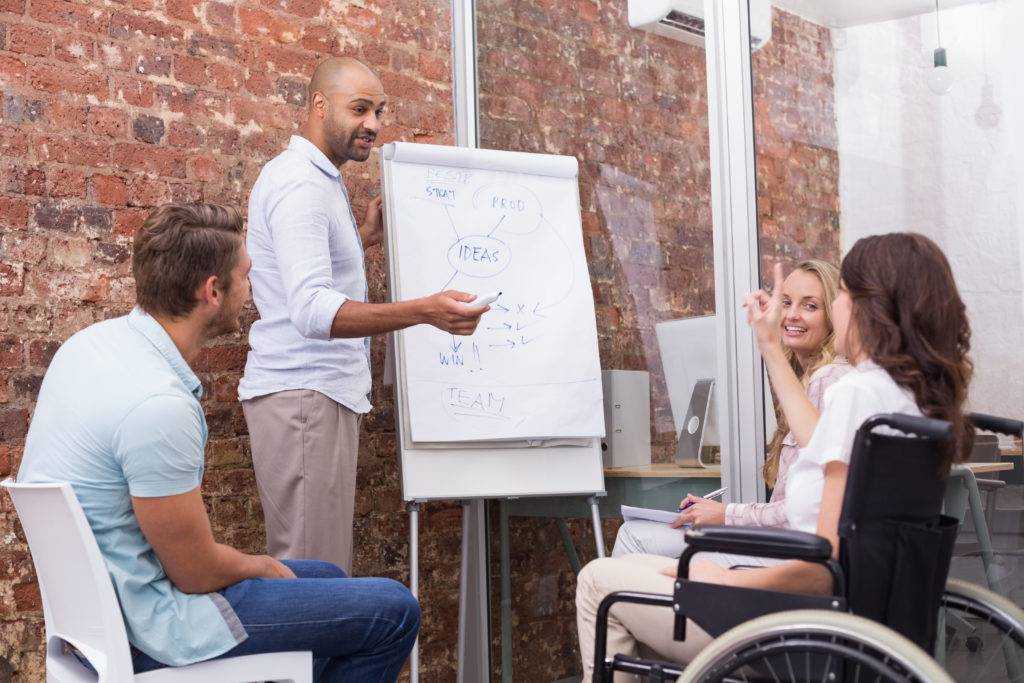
[(414, 581), (460, 675), (595, 515)]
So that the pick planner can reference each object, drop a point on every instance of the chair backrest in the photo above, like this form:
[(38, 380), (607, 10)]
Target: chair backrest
[(895, 545), (79, 603)]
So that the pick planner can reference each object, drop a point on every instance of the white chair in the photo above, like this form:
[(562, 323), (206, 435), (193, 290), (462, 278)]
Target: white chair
[(80, 607)]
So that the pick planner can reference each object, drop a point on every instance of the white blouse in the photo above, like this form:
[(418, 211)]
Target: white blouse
[(865, 391)]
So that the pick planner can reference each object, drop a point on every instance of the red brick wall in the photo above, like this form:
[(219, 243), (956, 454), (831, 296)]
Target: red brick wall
[(570, 77), (111, 107)]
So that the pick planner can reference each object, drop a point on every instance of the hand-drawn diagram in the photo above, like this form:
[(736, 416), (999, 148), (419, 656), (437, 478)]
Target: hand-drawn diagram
[(480, 231)]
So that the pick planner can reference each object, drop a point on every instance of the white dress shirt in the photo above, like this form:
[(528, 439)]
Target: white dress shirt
[(307, 260), (865, 391)]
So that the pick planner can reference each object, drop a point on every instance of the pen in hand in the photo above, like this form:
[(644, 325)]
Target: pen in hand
[(718, 493)]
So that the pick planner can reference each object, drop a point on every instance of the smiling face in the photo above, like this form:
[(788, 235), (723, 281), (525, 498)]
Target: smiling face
[(805, 324)]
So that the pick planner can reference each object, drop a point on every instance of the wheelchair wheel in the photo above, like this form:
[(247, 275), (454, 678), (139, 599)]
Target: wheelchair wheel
[(984, 635), (813, 645)]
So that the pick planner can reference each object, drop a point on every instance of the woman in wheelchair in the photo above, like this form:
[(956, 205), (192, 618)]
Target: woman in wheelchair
[(900, 320), (796, 338)]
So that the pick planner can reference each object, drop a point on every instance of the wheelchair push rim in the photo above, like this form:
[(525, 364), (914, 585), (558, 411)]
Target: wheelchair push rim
[(859, 641)]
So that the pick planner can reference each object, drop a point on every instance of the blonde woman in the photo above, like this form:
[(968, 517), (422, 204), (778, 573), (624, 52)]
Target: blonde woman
[(799, 352)]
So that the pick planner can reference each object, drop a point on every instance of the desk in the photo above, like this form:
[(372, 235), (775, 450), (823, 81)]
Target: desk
[(659, 485)]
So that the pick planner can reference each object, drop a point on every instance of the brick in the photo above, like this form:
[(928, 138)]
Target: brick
[(109, 189), (225, 77), (302, 8), (75, 50), (148, 129), (112, 123), (220, 14), (29, 40), (71, 150), (66, 182), (107, 252), (205, 168), (67, 116), (125, 25), (184, 10), (113, 56), (151, 64), (221, 358), (56, 216), (12, 279), (12, 6), (189, 101), (25, 247), (256, 22), (323, 39), (143, 191), (433, 68), (162, 161), (26, 386), (27, 597), (133, 91), (213, 46), (363, 20), (185, 135), (12, 70), (12, 352), (190, 70), (13, 421), (41, 351), (128, 221), (13, 213), (293, 90), (25, 181), (64, 79), (82, 17)]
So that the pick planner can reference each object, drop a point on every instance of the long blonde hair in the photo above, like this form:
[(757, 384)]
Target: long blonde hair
[(828, 275)]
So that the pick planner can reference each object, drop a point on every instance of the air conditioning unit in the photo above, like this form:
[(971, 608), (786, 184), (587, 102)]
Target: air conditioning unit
[(684, 20)]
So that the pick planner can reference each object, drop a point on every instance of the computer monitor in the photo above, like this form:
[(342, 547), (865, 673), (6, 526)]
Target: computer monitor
[(689, 359)]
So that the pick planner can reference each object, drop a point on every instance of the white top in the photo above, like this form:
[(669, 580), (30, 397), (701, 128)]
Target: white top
[(865, 391), (307, 260)]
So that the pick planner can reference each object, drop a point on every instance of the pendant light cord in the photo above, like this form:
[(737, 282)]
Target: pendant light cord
[(938, 33)]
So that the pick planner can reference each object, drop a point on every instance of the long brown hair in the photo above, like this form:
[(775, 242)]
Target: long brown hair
[(911, 321), (828, 275)]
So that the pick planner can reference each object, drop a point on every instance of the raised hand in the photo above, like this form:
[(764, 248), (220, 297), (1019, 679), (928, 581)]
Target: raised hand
[(765, 311)]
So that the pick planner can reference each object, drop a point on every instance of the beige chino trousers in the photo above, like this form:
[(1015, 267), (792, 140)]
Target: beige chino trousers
[(304, 451), (634, 630)]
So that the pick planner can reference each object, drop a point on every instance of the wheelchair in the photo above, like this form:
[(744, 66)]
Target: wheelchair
[(891, 602)]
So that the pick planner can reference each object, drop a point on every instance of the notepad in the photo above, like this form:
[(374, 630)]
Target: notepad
[(630, 513)]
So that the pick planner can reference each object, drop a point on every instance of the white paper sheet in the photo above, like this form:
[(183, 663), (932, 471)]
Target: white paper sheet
[(630, 513), (531, 370)]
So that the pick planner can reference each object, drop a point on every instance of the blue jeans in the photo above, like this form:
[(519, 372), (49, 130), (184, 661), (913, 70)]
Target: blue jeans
[(359, 629)]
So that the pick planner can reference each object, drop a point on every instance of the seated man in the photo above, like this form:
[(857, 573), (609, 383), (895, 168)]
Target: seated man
[(118, 417)]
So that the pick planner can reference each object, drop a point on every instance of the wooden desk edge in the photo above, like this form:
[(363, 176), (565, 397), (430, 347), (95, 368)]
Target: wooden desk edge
[(664, 470)]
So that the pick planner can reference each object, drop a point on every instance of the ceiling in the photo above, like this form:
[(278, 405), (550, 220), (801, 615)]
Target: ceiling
[(843, 13)]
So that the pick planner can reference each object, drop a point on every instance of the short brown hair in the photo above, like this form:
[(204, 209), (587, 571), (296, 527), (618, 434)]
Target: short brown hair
[(177, 248)]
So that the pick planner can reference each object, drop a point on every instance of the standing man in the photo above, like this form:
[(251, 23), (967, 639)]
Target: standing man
[(307, 378)]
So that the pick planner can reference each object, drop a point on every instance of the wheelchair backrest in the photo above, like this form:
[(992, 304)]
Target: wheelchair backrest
[(895, 546)]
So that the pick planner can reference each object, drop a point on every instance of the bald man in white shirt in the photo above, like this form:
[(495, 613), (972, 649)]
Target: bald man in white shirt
[(307, 377)]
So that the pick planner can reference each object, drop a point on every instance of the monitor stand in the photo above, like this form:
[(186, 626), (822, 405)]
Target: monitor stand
[(691, 435)]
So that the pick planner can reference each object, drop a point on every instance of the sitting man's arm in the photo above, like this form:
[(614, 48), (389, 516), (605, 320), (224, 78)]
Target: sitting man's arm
[(160, 446), (179, 530)]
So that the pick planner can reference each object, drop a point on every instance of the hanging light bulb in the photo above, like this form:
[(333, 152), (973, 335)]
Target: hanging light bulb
[(940, 77)]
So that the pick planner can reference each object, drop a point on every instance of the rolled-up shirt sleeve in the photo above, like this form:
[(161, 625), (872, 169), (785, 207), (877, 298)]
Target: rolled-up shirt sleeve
[(297, 215)]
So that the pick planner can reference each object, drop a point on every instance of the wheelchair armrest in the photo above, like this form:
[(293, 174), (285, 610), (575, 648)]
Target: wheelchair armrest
[(999, 425), (926, 427), (785, 544)]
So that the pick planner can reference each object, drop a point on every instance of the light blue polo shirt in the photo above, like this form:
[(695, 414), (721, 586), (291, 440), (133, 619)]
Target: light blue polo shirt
[(118, 415)]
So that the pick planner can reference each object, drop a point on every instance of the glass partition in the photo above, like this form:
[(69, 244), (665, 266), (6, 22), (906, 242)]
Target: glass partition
[(904, 118)]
